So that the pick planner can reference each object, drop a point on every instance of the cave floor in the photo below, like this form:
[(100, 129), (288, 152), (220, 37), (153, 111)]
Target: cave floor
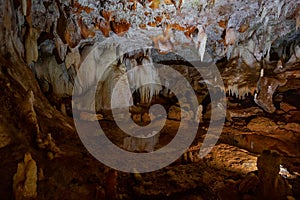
[(75, 174)]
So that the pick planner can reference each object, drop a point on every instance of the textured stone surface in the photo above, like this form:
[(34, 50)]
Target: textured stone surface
[(262, 124), (266, 88), (46, 37), (25, 179), (234, 34), (268, 170)]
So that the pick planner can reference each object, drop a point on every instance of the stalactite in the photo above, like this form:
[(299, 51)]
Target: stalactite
[(143, 77)]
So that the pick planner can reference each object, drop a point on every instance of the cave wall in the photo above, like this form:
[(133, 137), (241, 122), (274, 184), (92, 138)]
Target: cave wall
[(43, 44)]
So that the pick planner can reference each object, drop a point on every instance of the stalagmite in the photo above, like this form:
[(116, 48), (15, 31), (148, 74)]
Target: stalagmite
[(199, 115), (268, 174), (143, 143), (48, 143), (98, 45), (25, 179)]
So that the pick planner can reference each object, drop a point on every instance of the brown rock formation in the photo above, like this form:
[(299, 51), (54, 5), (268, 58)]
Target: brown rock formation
[(43, 44), (25, 179), (268, 174)]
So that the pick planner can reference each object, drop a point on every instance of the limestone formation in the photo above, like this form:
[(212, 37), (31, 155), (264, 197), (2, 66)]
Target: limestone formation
[(49, 46), (199, 114), (82, 22), (268, 174), (28, 108), (249, 184), (244, 113), (31, 116), (266, 184), (262, 124), (48, 143), (86, 116), (267, 87), (178, 114), (286, 107), (143, 143), (174, 113), (25, 179), (146, 117)]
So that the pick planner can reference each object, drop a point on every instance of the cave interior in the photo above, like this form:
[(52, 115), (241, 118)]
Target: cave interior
[(208, 90)]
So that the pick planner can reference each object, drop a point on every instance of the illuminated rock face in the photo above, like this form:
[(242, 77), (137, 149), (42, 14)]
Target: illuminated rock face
[(54, 38), (225, 29)]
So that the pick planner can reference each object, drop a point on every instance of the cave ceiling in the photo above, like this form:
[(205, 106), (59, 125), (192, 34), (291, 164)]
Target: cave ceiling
[(68, 60)]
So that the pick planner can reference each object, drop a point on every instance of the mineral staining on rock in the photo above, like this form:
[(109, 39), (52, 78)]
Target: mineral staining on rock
[(55, 37), (235, 34)]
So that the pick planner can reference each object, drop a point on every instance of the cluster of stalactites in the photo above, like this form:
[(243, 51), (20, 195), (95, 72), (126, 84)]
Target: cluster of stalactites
[(240, 92), (143, 76)]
